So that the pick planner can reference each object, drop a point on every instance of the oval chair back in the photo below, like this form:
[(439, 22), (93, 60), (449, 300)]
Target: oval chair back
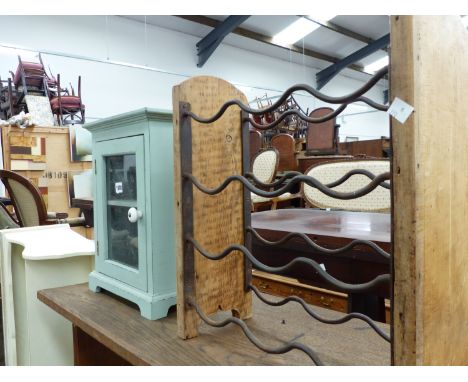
[(378, 200), (26, 199), (265, 165)]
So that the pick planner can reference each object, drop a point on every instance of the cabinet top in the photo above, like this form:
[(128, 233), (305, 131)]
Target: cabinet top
[(139, 115)]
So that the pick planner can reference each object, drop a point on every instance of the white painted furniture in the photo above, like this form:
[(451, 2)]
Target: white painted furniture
[(35, 258)]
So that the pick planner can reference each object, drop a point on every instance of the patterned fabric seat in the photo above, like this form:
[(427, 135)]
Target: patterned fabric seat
[(378, 200)]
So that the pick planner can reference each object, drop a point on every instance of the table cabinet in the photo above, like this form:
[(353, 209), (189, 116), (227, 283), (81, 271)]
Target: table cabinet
[(133, 209)]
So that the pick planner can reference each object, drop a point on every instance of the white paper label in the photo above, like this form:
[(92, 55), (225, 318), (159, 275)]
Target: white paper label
[(400, 110), (118, 188)]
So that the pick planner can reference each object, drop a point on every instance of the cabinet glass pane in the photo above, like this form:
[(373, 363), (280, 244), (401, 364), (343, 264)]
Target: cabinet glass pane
[(121, 177), (122, 237)]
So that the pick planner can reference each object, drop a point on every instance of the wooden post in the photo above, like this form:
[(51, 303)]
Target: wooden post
[(429, 70), (217, 220)]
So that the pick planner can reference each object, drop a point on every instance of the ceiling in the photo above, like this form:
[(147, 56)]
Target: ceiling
[(322, 41)]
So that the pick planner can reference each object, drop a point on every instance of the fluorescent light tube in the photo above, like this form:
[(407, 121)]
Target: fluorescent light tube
[(295, 31), (376, 65), (322, 17)]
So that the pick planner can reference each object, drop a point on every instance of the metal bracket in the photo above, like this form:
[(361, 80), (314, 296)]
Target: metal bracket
[(187, 200), (247, 204)]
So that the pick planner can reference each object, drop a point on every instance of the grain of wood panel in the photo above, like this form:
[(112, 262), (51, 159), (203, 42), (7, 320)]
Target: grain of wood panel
[(429, 70), (119, 327), (218, 220), (404, 246)]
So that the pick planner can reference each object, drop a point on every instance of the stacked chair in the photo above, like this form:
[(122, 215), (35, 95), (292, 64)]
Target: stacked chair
[(9, 105), (68, 108), (31, 78)]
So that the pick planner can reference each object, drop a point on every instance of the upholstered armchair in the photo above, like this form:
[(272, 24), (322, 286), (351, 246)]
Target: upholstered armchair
[(29, 207)]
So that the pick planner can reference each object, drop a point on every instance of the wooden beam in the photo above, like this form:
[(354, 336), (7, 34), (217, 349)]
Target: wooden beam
[(269, 40), (430, 197)]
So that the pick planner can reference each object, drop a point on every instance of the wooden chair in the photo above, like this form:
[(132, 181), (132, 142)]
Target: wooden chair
[(286, 146), (322, 138), (255, 144), (378, 200), (264, 167), (29, 207), (30, 77), (8, 99), (3, 98), (52, 83), (68, 107)]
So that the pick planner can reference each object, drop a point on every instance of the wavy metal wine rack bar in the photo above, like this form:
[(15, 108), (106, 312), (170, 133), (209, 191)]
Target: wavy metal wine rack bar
[(340, 285), (254, 185)]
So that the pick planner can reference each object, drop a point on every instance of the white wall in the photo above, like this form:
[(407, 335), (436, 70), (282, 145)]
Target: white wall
[(109, 89)]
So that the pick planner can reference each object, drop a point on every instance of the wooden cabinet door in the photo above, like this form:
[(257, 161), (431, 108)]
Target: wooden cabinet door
[(120, 210)]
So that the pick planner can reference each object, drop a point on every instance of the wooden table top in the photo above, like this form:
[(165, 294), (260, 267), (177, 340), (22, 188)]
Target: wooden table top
[(337, 224), (119, 326)]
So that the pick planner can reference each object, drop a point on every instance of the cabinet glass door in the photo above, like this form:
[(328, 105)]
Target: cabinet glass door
[(121, 193)]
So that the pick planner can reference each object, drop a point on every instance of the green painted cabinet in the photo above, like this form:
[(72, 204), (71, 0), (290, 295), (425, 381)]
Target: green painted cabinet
[(133, 209)]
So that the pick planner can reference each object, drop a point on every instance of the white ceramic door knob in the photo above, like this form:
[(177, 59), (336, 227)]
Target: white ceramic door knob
[(134, 215)]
